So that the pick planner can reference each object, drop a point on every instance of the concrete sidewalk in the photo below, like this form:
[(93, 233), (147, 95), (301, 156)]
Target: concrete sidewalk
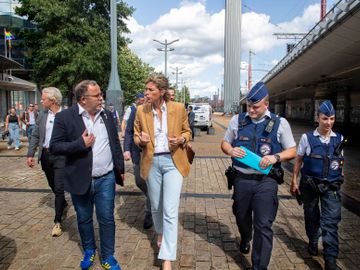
[(208, 236)]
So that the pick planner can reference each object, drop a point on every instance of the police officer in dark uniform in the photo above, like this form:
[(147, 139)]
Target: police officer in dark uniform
[(255, 194), (320, 155)]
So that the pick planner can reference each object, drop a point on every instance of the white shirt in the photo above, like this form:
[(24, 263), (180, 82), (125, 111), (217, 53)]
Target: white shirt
[(304, 146), (49, 128), (161, 131), (284, 135), (128, 112), (32, 118), (102, 156)]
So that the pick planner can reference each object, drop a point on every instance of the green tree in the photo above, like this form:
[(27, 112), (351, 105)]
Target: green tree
[(71, 42), (133, 73), (180, 95)]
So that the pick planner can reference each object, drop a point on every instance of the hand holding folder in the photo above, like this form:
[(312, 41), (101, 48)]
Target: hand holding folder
[(253, 160)]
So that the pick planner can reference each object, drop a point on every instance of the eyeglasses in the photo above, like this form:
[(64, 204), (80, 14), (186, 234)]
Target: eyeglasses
[(101, 94)]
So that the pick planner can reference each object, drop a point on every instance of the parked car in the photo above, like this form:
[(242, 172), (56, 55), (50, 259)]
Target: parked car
[(203, 115)]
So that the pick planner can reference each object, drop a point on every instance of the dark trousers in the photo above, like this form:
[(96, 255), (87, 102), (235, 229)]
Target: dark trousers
[(255, 205), (141, 184), (53, 166), (192, 131), (326, 217)]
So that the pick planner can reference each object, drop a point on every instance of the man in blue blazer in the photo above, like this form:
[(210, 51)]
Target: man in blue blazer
[(132, 151), (87, 136)]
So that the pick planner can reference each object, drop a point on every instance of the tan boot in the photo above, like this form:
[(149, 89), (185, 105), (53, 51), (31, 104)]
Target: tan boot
[(56, 231)]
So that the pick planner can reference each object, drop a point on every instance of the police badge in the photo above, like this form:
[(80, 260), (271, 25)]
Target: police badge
[(265, 149)]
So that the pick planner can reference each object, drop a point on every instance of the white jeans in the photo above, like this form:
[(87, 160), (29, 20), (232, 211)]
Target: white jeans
[(164, 188)]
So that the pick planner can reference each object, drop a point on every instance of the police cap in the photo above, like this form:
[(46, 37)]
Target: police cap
[(327, 108), (257, 93)]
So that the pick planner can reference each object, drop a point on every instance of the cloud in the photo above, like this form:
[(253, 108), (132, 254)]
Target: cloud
[(199, 51)]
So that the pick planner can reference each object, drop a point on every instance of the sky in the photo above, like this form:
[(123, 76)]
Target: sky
[(199, 26)]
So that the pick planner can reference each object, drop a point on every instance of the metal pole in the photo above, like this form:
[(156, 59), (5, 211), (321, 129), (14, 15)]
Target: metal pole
[(165, 49), (114, 93), (166, 45)]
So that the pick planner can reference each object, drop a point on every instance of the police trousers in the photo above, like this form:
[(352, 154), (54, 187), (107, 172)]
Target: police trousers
[(325, 217), (255, 206)]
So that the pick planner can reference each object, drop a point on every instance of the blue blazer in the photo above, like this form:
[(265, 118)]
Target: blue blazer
[(67, 140), (129, 144)]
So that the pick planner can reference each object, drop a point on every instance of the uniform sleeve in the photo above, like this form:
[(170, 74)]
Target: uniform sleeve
[(285, 135), (303, 147), (231, 132)]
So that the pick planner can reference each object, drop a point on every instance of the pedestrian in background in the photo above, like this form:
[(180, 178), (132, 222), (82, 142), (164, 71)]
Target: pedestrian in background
[(132, 151), (116, 116), (13, 125), (320, 160), (53, 166), (29, 119), (172, 93), (86, 134), (191, 117), (255, 194), (162, 131)]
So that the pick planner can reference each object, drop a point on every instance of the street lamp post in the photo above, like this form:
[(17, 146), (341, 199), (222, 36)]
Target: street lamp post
[(165, 49)]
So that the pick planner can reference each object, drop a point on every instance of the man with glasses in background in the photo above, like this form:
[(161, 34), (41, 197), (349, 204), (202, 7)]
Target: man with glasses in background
[(29, 119), (86, 134)]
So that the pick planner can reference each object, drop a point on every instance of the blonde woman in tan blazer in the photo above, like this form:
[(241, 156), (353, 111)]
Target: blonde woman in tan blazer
[(161, 129)]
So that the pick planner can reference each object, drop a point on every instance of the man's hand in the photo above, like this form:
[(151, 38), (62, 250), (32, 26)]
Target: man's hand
[(266, 161), (237, 152), (127, 155), (88, 139), (30, 162), (294, 188), (144, 138)]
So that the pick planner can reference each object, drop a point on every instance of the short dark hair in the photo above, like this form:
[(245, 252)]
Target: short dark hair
[(82, 87), (191, 107)]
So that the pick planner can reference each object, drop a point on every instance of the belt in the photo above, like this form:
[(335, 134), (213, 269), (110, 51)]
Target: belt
[(98, 177), (161, 154), (253, 176)]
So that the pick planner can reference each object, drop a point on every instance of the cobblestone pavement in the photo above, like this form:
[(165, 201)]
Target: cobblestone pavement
[(208, 236)]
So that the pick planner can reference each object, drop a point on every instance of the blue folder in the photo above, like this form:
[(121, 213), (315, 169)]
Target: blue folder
[(253, 160)]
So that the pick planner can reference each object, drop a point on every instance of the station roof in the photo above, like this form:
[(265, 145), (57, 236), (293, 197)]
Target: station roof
[(329, 53)]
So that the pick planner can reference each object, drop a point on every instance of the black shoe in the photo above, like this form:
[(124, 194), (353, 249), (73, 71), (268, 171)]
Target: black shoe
[(148, 222), (313, 249), (244, 247), (331, 265)]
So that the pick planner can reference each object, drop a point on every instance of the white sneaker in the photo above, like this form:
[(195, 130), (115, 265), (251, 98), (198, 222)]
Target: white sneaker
[(17, 148), (9, 147)]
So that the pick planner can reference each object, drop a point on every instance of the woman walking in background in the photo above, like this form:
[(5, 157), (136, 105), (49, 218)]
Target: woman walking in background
[(13, 125), (162, 131)]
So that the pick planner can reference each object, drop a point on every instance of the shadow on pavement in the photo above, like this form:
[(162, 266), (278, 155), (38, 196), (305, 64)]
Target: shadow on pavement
[(131, 212), (8, 251), (298, 246), (215, 233)]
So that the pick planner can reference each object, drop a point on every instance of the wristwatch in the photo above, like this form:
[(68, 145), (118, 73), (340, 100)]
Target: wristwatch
[(277, 157)]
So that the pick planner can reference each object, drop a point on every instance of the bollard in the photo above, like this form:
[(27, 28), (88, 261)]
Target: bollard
[(211, 131)]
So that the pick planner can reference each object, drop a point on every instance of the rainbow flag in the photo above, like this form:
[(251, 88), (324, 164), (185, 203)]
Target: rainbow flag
[(8, 35)]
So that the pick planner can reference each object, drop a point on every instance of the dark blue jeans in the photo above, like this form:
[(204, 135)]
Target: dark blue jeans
[(326, 217), (101, 194), (255, 205)]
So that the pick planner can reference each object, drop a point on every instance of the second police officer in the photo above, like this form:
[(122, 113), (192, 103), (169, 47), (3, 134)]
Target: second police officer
[(320, 159), (255, 195)]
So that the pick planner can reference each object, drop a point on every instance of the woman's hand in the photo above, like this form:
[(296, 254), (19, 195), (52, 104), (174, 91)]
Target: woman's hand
[(176, 141), (144, 138)]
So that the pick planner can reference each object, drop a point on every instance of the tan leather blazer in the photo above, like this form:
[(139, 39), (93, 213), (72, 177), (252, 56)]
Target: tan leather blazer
[(178, 125)]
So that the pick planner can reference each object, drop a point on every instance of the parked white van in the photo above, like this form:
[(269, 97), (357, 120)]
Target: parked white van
[(203, 115)]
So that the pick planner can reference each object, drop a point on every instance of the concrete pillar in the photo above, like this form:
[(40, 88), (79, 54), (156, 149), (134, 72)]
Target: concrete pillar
[(232, 54)]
